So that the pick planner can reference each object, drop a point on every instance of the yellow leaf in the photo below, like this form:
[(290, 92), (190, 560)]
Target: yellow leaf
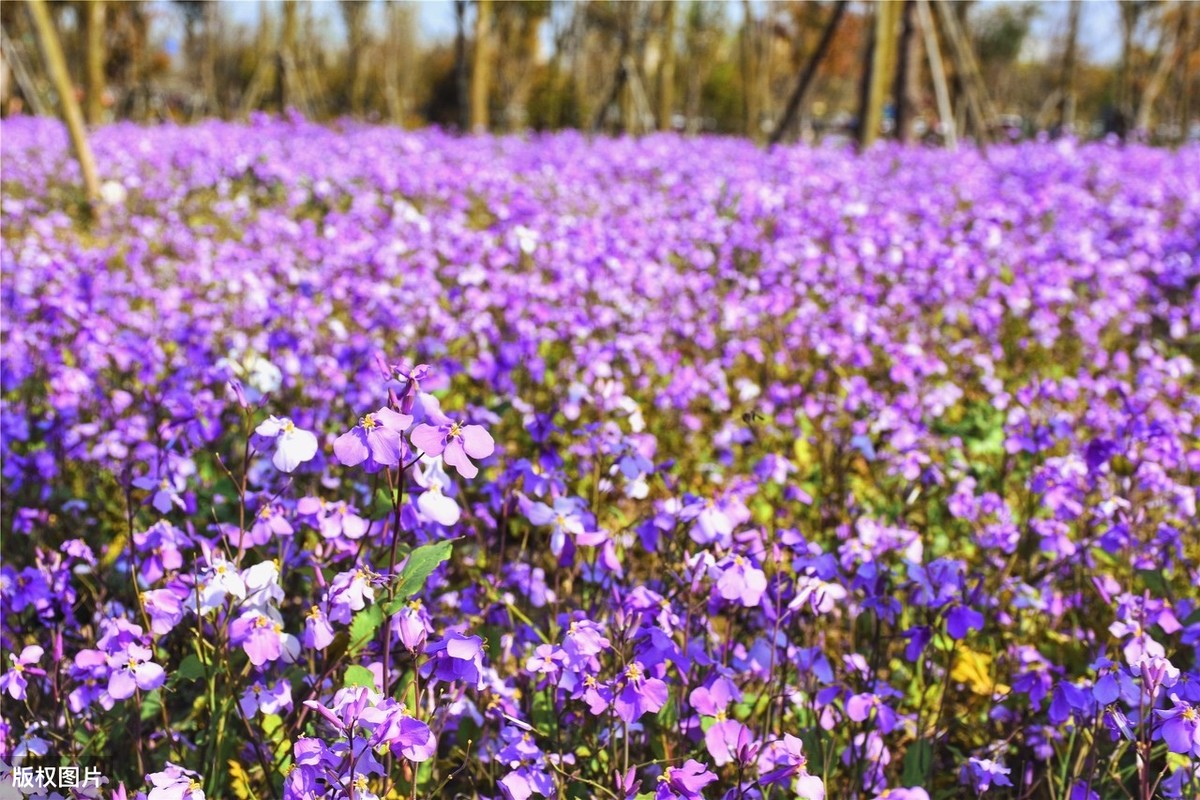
[(803, 451), (239, 781), (975, 670)]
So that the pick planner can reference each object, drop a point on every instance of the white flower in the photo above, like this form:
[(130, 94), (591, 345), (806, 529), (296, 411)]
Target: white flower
[(293, 446), (433, 502), (262, 585), (219, 580)]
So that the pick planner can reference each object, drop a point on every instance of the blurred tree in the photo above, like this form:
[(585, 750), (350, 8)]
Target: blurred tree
[(808, 74), (519, 24), (1070, 69), (56, 67), (95, 55), (1173, 38), (904, 93), (878, 69), (400, 63), (666, 67), (287, 86), (354, 16), (481, 66)]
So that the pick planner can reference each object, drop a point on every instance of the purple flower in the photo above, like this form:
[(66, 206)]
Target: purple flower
[(638, 694), (165, 608), (293, 446), (526, 781), (567, 517), (132, 669), (783, 762), (742, 581), (983, 773), (268, 699), (685, 782), (411, 625), (166, 492), (377, 439), (175, 783), (455, 658), (1181, 728), (455, 442), (263, 638), (14, 681), (962, 620), (318, 633), (403, 734), (860, 707), (334, 520), (729, 741)]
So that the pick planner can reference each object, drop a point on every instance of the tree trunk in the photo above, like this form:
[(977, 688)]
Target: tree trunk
[(937, 72), (666, 68), (56, 68), (462, 77), (878, 68), (1070, 73), (751, 71), (904, 90), (967, 71), (398, 67), (1168, 50), (481, 66), (804, 84), (286, 57), (208, 60), (1185, 78), (94, 62), (354, 16)]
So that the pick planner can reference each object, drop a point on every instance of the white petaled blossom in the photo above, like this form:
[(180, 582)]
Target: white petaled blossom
[(220, 580), (293, 446), (433, 503), (262, 585)]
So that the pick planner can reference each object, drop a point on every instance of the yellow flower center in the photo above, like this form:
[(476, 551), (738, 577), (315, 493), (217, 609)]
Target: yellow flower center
[(1190, 714), (634, 672), (288, 426), (455, 430), (368, 422)]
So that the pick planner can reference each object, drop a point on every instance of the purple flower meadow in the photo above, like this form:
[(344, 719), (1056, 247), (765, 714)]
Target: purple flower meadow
[(694, 470)]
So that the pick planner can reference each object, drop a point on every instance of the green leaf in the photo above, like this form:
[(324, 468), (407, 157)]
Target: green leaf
[(1154, 581), (151, 704), (420, 565), (190, 669), (363, 628), (358, 676), (917, 763)]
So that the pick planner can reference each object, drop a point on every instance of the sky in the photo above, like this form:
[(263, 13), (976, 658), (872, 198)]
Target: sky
[(1099, 21)]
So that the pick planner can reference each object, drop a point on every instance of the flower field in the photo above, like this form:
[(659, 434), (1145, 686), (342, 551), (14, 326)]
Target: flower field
[(354, 463)]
